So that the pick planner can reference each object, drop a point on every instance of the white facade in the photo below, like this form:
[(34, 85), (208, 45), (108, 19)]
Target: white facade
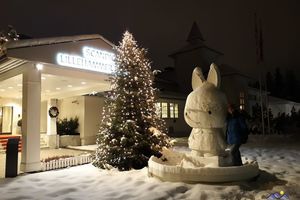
[(89, 111)]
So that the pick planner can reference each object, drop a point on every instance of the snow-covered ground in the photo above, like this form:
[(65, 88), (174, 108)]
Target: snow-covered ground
[(280, 171)]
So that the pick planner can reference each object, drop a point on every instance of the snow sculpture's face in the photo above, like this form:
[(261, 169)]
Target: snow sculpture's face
[(206, 106)]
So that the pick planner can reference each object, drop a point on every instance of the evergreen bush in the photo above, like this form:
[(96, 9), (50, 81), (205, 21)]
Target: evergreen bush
[(67, 126)]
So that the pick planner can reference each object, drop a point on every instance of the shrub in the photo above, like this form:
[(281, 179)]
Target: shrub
[(67, 127)]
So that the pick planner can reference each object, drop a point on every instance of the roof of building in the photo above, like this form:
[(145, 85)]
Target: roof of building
[(7, 64), (166, 81), (53, 40), (192, 47), (171, 95), (195, 41), (227, 70)]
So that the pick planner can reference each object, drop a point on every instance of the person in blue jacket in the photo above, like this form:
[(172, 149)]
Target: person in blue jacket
[(234, 133)]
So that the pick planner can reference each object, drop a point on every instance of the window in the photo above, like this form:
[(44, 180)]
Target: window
[(167, 110), (173, 110), (164, 110), (176, 110), (242, 100)]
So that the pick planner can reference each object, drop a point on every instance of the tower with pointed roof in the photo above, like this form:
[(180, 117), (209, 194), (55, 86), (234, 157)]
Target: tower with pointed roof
[(194, 53), (195, 35)]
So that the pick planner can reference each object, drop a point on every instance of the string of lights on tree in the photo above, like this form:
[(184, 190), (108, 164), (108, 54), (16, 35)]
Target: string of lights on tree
[(131, 131), (6, 35)]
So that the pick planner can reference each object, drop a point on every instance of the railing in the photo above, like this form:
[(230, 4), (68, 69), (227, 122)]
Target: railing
[(66, 162)]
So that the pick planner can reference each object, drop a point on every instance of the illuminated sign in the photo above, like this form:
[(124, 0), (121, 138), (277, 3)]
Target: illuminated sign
[(91, 59)]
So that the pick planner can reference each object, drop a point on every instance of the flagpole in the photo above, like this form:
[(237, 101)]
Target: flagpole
[(263, 76), (258, 43), (267, 107), (261, 103)]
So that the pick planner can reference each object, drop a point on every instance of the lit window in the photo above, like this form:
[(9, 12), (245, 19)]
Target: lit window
[(242, 100), (164, 110), (176, 110), (173, 110)]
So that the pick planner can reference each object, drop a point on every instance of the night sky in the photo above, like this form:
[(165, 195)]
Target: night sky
[(163, 26)]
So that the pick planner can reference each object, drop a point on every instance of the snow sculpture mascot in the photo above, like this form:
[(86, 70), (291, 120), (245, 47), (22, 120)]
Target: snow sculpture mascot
[(205, 111)]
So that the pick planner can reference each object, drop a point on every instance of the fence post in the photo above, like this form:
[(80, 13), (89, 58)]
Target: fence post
[(60, 163), (50, 165), (56, 164)]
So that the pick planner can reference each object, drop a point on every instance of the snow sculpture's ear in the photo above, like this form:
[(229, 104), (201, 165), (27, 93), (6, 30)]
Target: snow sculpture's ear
[(214, 76), (197, 78)]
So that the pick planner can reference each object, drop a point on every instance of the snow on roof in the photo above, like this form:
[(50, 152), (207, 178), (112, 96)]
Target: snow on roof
[(54, 40), (276, 100)]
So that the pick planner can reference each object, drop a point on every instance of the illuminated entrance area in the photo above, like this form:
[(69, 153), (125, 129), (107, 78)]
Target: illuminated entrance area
[(53, 87), (48, 79)]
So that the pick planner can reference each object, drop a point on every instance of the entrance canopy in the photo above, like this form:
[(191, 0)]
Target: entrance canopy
[(73, 65)]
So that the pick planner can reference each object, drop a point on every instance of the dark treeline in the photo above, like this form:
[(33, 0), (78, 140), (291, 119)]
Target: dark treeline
[(282, 84), (283, 123)]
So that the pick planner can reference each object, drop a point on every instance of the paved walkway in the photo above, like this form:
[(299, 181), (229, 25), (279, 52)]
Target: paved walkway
[(45, 153)]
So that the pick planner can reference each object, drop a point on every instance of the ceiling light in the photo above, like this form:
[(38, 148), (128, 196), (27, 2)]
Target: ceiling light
[(43, 78), (58, 88), (10, 87), (70, 86), (2, 90), (39, 66), (83, 83)]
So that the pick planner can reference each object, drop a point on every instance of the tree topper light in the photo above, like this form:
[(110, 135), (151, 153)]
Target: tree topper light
[(93, 59)]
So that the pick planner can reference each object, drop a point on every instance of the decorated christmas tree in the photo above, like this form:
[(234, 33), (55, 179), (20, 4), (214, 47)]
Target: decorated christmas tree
[(130, 131), (6, 35)]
